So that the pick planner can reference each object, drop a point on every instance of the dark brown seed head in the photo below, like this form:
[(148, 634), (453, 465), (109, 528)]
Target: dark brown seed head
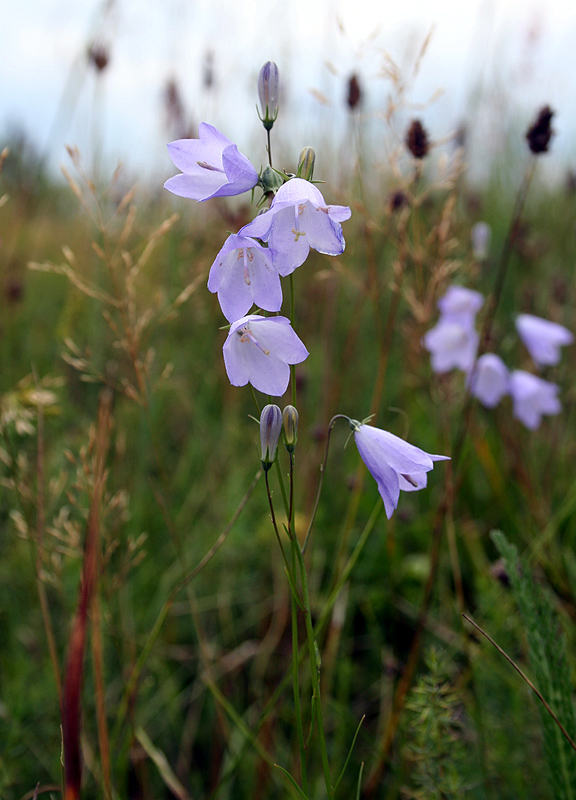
[(354, 94), (397, 201), (539, 134), (99, 57), (417, 140)]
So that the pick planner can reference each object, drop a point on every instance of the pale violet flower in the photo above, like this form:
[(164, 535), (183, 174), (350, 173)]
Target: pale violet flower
[(211, 166), (532, 397), (452, 343), (460, 303), (258, 350), (488, 380), (243, 274), (393, 463), (543, 339), (298, 220)]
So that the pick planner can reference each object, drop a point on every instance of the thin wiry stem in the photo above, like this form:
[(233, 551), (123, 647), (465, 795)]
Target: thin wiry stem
[(269, 148), (525, 678), (273, 518), (322, 470)]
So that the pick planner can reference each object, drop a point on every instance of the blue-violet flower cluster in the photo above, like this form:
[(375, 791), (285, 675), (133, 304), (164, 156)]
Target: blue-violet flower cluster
[(453, 343), (248, 269)]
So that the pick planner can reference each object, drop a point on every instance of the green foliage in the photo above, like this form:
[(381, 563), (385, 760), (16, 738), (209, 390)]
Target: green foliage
[(547, 650), (435, 731)]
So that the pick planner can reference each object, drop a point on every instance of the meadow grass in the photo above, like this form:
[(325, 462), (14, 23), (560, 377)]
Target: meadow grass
[(119, 423)]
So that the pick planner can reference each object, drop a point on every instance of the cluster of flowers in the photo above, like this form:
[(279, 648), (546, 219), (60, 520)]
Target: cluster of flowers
[(453, 343), (259, 349), (248, 268)]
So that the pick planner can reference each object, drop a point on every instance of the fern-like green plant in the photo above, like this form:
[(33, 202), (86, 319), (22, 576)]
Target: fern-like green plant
[(434, 736), (547, 651)]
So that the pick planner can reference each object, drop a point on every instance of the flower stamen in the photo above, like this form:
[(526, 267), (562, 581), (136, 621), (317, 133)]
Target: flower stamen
[(246, 335), (211, 167)]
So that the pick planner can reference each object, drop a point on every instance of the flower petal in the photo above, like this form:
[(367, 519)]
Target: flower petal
[(196, 187), (488, 380), (259, 349), (385, 447), (324, 235)]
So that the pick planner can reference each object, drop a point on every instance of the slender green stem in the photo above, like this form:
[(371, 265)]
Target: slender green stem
[(351, 563), (525, 678), (296, 681), (282, 488), (322, 470), (269, 148), (314, 672), (318, 628), (492, 305), (277, 532), (256, 403)]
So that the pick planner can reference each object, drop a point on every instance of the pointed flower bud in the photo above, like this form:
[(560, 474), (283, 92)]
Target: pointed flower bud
[(268, 82), (270, 427), (290, 421), (306, 163)]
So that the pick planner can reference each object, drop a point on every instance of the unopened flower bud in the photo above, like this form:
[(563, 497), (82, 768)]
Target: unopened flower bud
[(417, 140), (290, 420), (480, 236), (306, 163), (270, 180), (270, 427), (540, 133), (268, 82)]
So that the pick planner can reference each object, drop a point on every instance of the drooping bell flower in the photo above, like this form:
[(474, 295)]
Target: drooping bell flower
[(298, 220), (393, 463), (532, 397), (243, 274), (211, 166), (452, 343), (460, 303), (543, 339), (259, 350), (488, 380)]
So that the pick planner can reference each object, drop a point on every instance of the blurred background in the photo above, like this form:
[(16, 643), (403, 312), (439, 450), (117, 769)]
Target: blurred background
[(119, 78)]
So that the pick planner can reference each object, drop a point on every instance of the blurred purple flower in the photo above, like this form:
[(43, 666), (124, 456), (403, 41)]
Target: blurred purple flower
[(532, 397), (259, 349), (243, 274), (543, 339), (460, 303), (393, 463), (488, 380), (211, 166), (298, 220), (452, 343)]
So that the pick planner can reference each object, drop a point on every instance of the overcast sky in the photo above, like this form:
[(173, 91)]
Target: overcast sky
[(520, 51)]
